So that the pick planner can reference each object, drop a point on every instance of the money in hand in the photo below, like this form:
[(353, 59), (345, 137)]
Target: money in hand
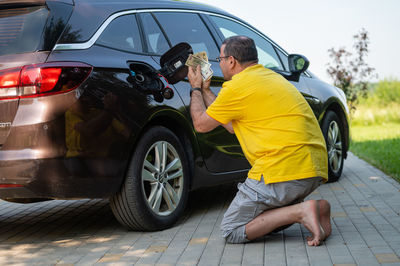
[(202, 60)]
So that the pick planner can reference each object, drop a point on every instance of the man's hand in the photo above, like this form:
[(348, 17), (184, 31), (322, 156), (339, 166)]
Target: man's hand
[(199, 102), (195, 78)]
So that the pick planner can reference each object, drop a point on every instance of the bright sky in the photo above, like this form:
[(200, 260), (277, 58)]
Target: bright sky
[(311, 27)]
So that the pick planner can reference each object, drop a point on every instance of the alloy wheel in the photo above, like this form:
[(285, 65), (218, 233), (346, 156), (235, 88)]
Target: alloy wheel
[(162, 178), (334, 147)]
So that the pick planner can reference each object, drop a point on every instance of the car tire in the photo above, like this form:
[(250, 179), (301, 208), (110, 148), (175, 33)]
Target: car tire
[(155, 191), (332, 128)]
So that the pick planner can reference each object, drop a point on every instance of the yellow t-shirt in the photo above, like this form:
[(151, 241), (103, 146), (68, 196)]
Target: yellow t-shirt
[(274, 124)]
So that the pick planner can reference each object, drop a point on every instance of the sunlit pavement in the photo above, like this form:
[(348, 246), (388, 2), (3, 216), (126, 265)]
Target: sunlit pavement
[(365, 215)]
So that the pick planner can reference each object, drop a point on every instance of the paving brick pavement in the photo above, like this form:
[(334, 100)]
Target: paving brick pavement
[(365, 219)]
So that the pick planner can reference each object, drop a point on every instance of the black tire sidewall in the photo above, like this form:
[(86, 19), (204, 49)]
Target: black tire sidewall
[(329, 117), (133, 182)]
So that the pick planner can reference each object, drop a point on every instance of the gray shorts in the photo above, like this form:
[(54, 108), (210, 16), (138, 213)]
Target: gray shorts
[(254, 197)]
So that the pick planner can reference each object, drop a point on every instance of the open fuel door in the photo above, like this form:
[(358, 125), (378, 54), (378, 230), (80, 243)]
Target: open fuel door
[(172, 63), (155, 82)]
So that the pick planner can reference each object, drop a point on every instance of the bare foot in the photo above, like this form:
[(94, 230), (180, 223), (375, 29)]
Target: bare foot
[(310, 219), (325, 216)]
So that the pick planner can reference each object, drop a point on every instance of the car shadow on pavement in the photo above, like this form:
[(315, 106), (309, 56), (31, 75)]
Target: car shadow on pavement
[(57, 220)]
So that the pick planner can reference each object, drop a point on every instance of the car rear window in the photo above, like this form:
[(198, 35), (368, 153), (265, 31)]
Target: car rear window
[(122, 34), (21, 29)]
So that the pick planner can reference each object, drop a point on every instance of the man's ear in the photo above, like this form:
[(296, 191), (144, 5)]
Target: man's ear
[(232, 62)]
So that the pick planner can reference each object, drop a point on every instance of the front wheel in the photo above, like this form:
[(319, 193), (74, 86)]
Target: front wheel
[(156, 186), (332, 128)]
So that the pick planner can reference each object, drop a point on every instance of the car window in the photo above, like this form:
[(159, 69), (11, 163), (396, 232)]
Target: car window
[(284, 59), (188, 27), (155, 39), (122, 34), (266, 53), (21, 29)]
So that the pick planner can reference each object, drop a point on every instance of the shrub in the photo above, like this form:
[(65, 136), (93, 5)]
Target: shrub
[(387, 91), (351, 72)]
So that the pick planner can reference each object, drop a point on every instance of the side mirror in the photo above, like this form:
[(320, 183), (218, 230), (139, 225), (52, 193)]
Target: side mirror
[(173, 61), (297, 65)]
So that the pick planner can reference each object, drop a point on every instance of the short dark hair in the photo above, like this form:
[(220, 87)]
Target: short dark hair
[(242, 48)]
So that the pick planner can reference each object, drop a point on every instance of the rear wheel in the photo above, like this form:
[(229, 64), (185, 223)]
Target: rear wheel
[(155, 190), (333, 131)]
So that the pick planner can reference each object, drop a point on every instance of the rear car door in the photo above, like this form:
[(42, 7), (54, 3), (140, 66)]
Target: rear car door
[(108, 90), (220, 149)]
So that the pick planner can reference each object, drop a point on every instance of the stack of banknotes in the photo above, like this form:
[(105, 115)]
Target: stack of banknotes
[(201, 59)]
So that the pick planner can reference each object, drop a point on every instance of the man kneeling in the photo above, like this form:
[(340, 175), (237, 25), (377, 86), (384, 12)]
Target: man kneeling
[(279, 136)]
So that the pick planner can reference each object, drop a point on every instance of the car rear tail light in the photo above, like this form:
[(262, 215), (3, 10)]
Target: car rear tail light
[(10, 185), (42, 79)]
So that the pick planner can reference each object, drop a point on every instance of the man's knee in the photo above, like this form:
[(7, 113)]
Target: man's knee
[(237, 236)]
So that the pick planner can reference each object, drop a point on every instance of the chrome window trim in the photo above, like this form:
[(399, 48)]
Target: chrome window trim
[(93, 39)]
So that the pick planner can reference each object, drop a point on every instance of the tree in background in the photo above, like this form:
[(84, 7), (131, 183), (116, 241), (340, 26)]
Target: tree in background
[(351, 72)]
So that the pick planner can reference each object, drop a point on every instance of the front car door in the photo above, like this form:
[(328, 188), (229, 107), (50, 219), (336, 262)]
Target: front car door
[(220, 149)]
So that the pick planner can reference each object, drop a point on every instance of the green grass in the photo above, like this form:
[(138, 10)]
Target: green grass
[(375, 127), (378, 144)]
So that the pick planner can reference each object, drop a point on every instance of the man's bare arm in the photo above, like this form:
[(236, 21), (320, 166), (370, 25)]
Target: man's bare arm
[(202, 122), (208, 96)]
